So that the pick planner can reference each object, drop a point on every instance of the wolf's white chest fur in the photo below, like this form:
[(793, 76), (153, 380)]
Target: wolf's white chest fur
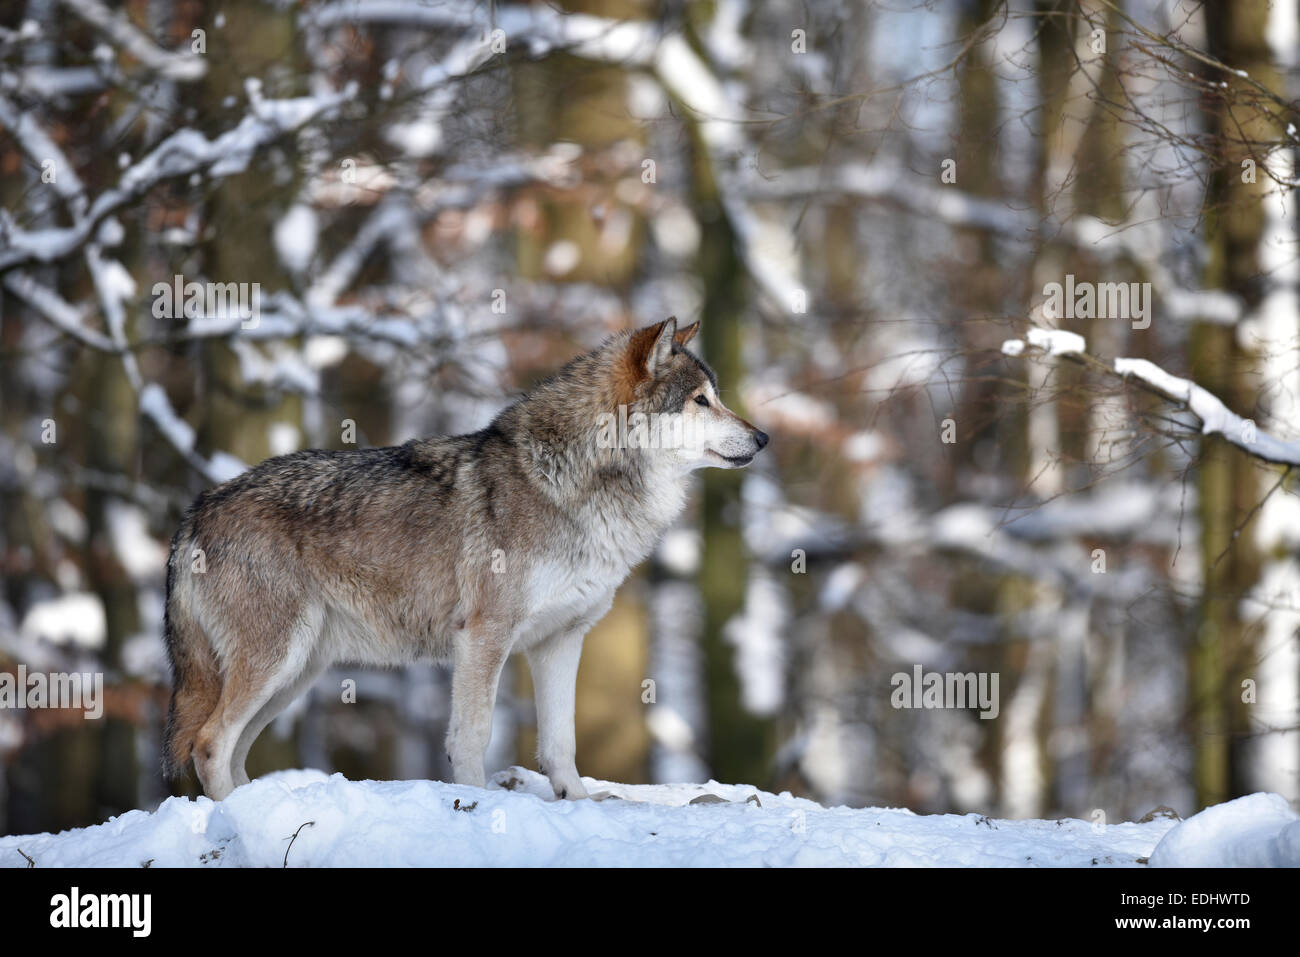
[(579, 580), (563, 595)]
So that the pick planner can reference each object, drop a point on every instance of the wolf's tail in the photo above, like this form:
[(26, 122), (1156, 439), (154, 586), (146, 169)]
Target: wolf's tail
[(196, 675)]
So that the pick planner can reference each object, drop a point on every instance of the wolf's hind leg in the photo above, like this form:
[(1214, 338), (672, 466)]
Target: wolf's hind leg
[(245, 692), (278, 648), (269, 712), (554, 665), (479, 658)]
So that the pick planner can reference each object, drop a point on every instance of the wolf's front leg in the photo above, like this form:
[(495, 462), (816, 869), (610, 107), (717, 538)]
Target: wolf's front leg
[(478, 661), (554, 664)]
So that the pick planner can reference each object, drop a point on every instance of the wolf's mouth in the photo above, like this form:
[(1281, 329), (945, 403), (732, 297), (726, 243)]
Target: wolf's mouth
[(735, 461)]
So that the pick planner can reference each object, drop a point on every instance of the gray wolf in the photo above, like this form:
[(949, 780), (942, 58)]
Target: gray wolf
[(461, 549)]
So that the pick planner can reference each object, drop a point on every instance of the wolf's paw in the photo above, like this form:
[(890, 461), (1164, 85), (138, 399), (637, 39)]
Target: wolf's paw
[(567, 785)]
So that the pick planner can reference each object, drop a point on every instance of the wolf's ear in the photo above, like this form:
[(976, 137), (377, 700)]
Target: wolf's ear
[(662, 353), (648, 352), (651, 348), (686, 333)]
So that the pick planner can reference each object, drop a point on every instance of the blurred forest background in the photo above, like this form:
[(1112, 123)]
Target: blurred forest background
[(442, 201)]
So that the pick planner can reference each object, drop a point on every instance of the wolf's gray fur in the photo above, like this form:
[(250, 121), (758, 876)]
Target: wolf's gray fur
[(459, 549)]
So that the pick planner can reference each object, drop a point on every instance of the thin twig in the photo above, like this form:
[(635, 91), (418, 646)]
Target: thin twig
[(294, 838)]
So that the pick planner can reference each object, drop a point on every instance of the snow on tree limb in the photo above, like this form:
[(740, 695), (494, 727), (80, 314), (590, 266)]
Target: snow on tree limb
[(55, 310), (185, 152), (541, 28), (886, 183), (668, 56), (40, 148), (629, 43), (182, 67), (1215, 417), (154, 406), (1056, 342)]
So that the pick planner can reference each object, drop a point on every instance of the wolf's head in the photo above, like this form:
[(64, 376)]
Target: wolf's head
[(671, 396)]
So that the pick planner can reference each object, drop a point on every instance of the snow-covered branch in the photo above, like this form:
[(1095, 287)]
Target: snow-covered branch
[(668, 56), (184, 153), (40, 149), (55, 310), (540, 28), (155, 406), (183, 67), (1215, 417), (1137, 243)]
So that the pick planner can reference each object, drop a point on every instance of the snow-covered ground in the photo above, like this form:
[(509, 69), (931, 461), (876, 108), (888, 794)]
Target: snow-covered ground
[(517, 822)]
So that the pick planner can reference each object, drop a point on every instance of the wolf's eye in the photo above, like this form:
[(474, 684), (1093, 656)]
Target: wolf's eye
[(700, 400)]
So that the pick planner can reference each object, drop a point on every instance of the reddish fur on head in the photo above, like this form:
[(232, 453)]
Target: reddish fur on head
[(634, 370)]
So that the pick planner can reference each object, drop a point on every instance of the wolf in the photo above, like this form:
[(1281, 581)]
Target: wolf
[(457, 550)]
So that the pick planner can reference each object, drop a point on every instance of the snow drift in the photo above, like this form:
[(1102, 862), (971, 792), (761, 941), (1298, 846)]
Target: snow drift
[(309, 819), (1259, 830)]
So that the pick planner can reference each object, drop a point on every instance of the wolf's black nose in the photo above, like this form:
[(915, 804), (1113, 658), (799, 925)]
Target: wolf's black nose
[(761, 439)]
